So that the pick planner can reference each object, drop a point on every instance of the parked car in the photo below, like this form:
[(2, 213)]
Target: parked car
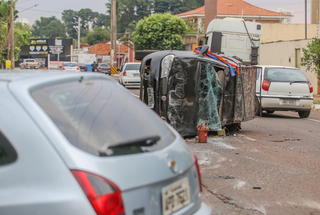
[(71, 66), (104, 68), (82, 144), (283, 89), (29, 64), (129, 74), (83, 67)]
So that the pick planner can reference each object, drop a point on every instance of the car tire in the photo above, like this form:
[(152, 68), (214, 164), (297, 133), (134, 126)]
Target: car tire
[(270, 111), (304, 114), (257, 107)]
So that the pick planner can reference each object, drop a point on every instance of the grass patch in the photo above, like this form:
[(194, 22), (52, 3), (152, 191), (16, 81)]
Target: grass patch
[(317, 103)]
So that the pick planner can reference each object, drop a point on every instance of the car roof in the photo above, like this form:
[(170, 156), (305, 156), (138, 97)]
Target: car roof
[(40, 75)]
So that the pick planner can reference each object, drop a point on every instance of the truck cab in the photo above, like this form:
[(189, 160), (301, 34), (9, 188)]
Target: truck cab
[(236, 38)]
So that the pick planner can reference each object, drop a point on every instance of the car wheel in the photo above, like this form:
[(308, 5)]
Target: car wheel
[(270, 111), (304, 114), (257, 107)]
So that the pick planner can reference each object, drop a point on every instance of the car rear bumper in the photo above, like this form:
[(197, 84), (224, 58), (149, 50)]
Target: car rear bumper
[(132, 81), (299, 104)]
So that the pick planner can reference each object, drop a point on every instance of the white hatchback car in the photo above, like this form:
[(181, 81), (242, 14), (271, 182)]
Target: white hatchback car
[(130, 75), (283, 89)]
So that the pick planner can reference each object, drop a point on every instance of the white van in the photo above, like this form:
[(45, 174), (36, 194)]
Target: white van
[(281, 88), (235, 37)]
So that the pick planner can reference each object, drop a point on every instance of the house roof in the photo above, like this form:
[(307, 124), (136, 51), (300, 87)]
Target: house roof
[(235, 7)]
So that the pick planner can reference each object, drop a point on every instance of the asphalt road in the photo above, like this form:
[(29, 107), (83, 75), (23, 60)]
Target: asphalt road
[(271, 166)]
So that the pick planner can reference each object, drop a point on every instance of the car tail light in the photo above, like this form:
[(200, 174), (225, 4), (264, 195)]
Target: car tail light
[(124, 73), (38, 64), (78, 68), (266, 85), (63, 67), (198, 170), (99, 68), (104, 196), (26, 64), (310, 87)]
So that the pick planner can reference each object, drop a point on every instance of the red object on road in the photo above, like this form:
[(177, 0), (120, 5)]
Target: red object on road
[(203, 133)]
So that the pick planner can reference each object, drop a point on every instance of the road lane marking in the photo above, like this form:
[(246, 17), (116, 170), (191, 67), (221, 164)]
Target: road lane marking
[(135, 95)]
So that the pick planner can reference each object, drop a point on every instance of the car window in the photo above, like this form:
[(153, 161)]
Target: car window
[(7, 153), (70, 64), (104, 65), (132, 67), (285, 75), (30, 60), (95, 115), (258, 73)]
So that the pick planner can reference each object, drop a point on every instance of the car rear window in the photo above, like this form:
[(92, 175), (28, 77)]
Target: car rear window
[(95, 115), (30, 60), (70, 64), (285, 75), (7, 153), (104, 65), (132, 67)]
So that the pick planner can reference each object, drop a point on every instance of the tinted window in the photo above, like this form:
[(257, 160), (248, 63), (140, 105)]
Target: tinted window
[(7, 152), (285, 75), (70, 64), (132, 67), (104, 65), (30, 60), (97, 114)]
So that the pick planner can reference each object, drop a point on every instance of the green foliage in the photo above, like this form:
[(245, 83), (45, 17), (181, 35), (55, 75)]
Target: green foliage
[(48, 27), (98, 35), (176, 6), (22, 34), (311, 56), (3, 37), (159, 32)]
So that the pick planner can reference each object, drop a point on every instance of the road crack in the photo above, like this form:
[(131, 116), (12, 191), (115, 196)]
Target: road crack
[(230, 201)]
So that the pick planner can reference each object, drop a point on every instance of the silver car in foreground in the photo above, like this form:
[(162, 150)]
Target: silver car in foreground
[(79, 143)]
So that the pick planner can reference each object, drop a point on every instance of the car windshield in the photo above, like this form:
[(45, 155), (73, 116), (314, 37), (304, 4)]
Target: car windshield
[(132, 67), (97, 116), (30, 60), (70, 64), (285, 75), (104, 65)]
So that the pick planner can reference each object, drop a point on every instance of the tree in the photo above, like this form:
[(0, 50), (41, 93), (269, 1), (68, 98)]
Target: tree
[(167, 6), (311, 56), (22, 34), (70, 19), (159, 32), (48, 27), (98, 35)]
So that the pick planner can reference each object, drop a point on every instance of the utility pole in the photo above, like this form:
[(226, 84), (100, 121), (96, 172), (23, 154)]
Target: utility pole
[(78, 37), (306, 21), (12, 35), (113, 33)]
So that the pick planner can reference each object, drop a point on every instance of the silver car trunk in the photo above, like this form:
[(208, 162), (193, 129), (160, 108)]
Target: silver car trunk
[(143, 178), (289, 89)]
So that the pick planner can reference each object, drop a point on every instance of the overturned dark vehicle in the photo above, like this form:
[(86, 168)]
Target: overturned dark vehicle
[(187, 88)]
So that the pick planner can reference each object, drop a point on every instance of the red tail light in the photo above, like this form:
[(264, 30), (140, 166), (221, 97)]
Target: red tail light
[(198, 170), (310, 87), (124, 73), (104, 196), (26, 64), (63, 67), (266, 85), (99, 68), (78, 68)]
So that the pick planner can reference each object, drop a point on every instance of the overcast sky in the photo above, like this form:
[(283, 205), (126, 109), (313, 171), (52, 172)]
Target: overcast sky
[(55, 7)]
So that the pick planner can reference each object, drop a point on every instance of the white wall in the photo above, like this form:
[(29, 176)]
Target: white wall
[(283, 54)]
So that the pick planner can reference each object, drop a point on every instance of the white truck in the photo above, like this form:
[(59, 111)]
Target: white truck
[(29, 64), (235, 38)]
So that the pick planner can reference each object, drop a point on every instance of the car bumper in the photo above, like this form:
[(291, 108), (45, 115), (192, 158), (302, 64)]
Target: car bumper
[(131, 81), (299, 104)]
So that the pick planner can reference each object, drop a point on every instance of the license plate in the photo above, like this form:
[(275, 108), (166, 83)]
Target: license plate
[(175, 196), (289, 101), (150, 97), (136, 75)]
